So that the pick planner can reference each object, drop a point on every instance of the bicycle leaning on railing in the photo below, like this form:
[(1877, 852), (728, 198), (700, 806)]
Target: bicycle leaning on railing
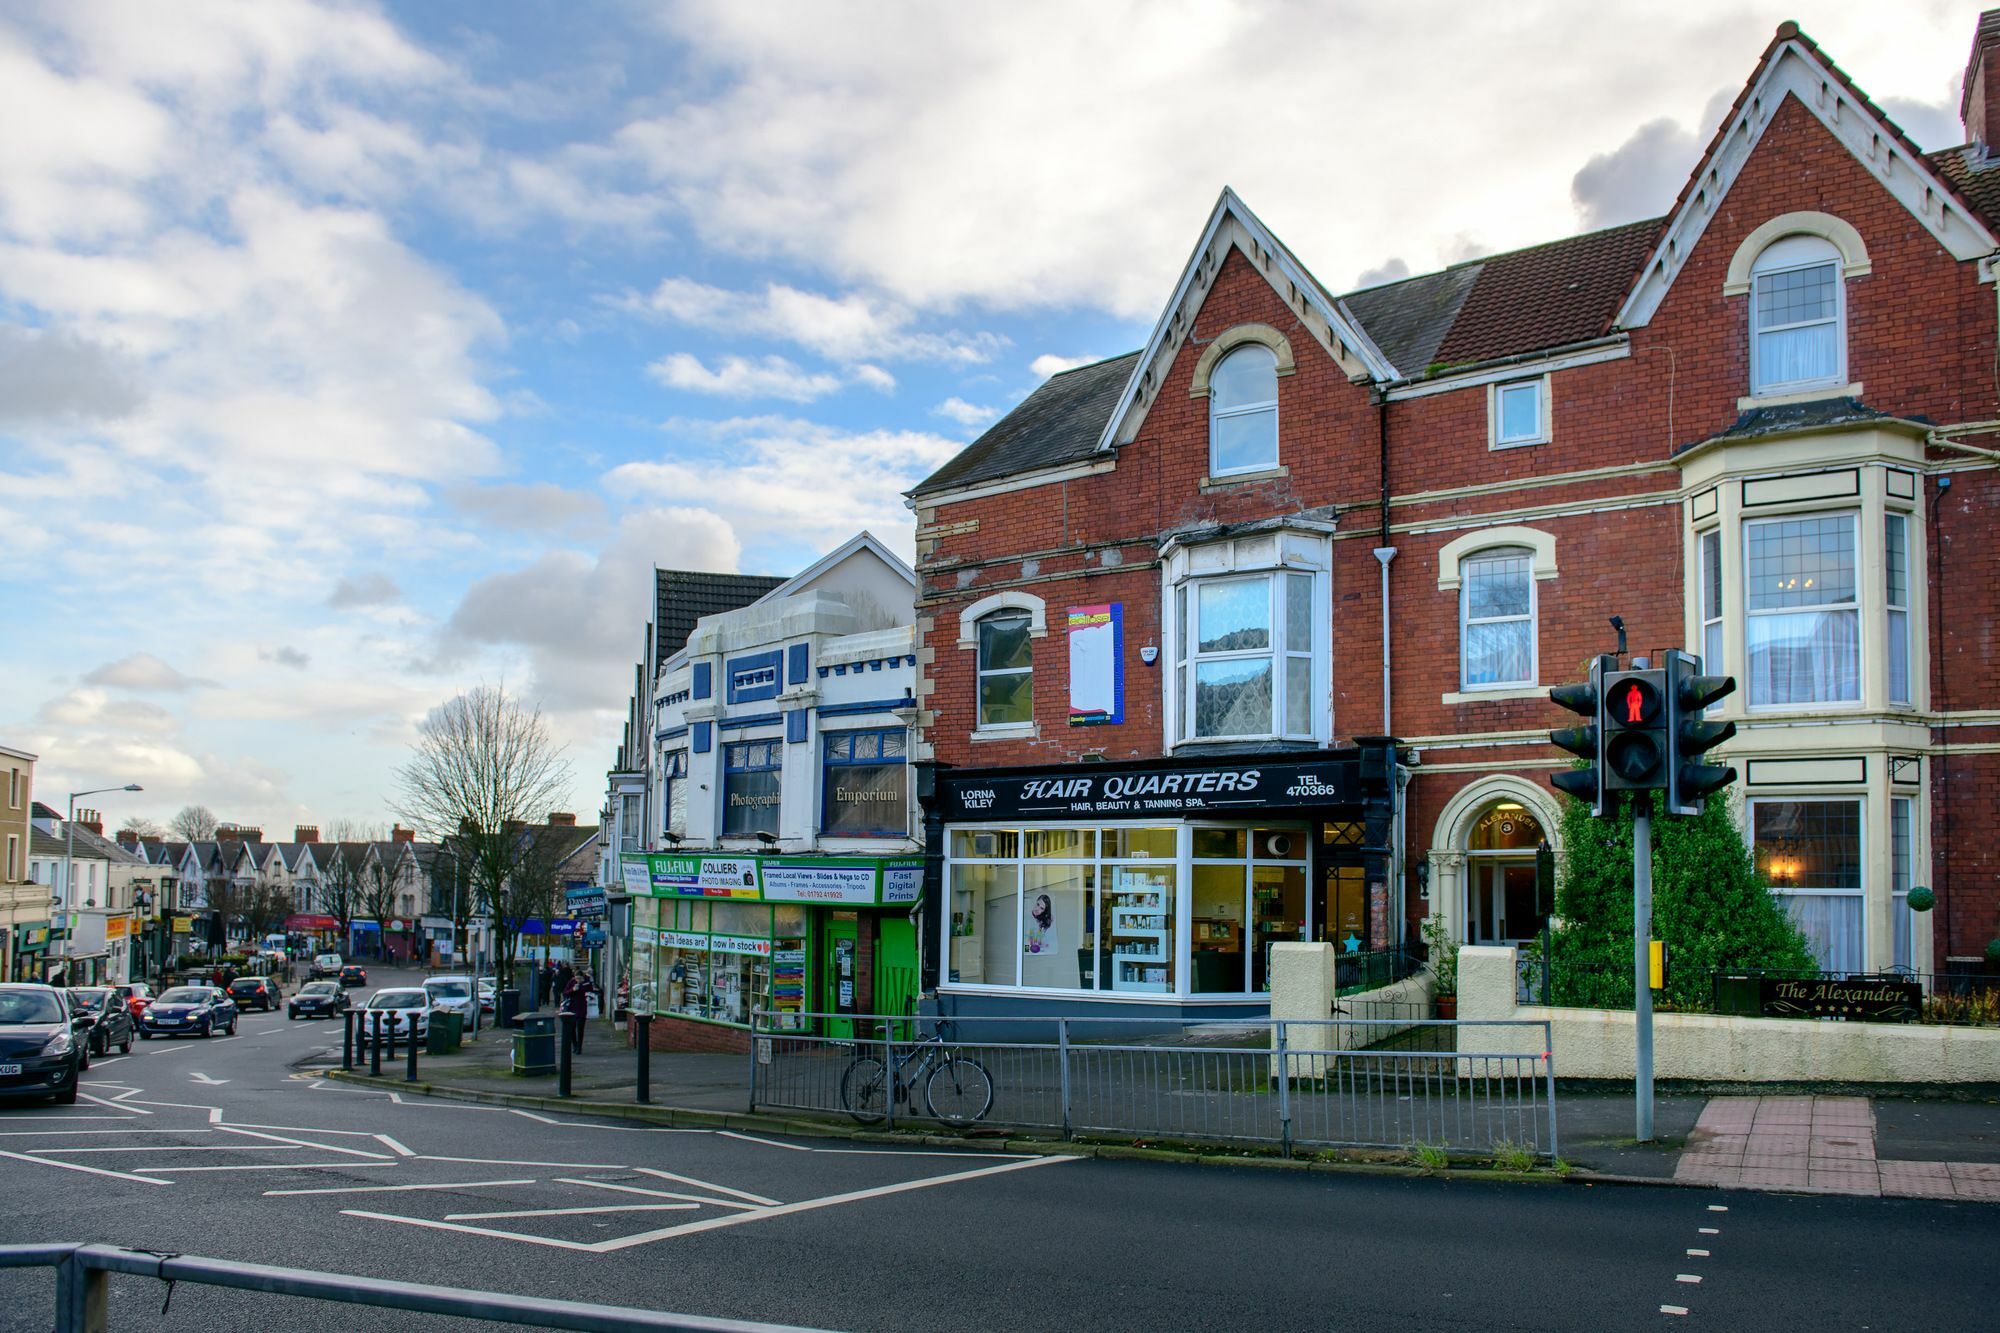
[(957, 1088)]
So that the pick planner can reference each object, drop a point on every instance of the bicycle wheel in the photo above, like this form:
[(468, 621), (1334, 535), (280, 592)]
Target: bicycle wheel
[(959, 1091), (864, 1090)]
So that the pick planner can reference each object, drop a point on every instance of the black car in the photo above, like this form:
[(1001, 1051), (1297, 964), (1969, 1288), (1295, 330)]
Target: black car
[(42, 1044), (264, 992), (354, 975), (189, 1011), (318, 999), (111, 1023)]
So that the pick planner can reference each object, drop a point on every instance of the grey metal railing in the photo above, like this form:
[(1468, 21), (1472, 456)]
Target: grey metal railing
[(1390, 1081), (83, 1275)]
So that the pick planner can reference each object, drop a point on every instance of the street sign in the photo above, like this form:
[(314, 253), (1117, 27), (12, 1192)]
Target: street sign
[(562, 927)]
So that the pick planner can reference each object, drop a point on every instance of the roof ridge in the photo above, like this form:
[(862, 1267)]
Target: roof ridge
[(1092, 365)]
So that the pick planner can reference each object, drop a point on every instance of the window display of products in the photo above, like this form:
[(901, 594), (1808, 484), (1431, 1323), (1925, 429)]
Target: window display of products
[(720, 962)]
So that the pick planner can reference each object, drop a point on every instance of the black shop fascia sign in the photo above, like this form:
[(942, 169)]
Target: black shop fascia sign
[(1237, 785)]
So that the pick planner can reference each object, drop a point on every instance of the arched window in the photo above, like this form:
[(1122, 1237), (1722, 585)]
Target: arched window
[(1798, 316), (1497, 617), (1243, 412), (1006, 669)]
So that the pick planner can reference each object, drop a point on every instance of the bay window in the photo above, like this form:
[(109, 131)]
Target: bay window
[(1711, 601), (1896, 558), (1497, 618), (1810, 850), (1803, 617), (1244, 648), (1902, 862)]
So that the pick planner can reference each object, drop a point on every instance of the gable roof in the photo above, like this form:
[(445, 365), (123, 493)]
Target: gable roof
[(681, 597), (1060, 422), (1409, 319), (1794, 66)]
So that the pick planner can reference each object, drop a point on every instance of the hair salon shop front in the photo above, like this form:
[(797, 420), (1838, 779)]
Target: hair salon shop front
[(717, 940), (1154, 889)]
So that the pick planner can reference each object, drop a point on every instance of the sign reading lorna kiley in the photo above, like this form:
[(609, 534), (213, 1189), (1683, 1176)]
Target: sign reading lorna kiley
[(1240, 784), (1858, 999)]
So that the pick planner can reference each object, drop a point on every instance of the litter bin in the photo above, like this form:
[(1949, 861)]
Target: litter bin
[(507, 1007), (535, 1045), (447, 1032)]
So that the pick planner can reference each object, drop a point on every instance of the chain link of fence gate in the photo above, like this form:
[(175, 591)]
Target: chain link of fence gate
[(1389, 1080)]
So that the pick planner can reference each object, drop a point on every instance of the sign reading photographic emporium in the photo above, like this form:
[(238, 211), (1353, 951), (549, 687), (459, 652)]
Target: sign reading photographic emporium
[(1097, 665)]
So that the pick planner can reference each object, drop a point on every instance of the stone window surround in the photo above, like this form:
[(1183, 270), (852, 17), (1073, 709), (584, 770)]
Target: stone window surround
[(968, 640)]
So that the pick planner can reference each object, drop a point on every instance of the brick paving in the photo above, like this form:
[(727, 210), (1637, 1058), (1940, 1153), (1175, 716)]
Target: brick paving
[(1816, 1144)]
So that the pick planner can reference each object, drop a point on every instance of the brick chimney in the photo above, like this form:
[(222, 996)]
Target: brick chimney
[(153, 839), (91, 820), (128, 838), (1979, 104), (400, 834), (305, 833), (561, 819)]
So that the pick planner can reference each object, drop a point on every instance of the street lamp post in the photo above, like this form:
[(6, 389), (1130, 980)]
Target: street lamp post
[(69, 864)]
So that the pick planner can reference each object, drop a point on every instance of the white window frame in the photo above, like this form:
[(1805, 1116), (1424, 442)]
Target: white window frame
[(1758, 387), (1495, 393), (1465, 621), (1896, 624), (1857, 606), (1278, 589), (1216, 414), (671, 758), (1861, 854), (980, 671), (1710, 592), (1902, 874)]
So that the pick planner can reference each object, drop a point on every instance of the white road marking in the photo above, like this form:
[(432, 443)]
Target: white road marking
[(107, 1101), (62, 1133), (1673, 1309), (1691, 1279), (76, 1166), (512, 1161), (205, 1079), (394, 1146), (398, 1189), (706, 1185), (182, 1147), (1698, 1254), (1718, 1208), (471, 1230), (264, 1166), (303, 1143), (307, 1129), (651, 1194), (752, 1138), (103, 1060), (573, 1212), (1709, 1231), (170, 1050)]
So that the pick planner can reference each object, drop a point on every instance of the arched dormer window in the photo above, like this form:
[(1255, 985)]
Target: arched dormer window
[(1243, 412), (1798, 316)]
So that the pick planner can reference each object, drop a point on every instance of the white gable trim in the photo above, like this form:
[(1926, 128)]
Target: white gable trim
[(1796, 71), (1232, 224)]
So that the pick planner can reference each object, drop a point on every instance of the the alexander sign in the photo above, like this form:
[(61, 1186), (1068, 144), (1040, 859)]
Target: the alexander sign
[(1870, 999), (1087, 789)]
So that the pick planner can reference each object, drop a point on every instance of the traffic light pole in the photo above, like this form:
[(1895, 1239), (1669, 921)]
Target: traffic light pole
[(1642, 935)]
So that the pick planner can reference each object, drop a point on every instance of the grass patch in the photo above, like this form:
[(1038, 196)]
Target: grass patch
[(1512, 1157), (1429, 1156)]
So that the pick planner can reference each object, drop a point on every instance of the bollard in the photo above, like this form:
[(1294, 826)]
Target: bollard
[(563, 1020), (375, 1046), (644, 1022), (410, 1073), (347, 1039), (390, 1055)]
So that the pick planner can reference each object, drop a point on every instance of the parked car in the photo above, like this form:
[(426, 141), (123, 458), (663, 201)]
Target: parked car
[(452, 993), (196, 1011), (410, 1004), (325, 965), (318, 999), (135, 996), (354, 975), (489, 991), (264, 992), (111, 1023), (41, 1047)]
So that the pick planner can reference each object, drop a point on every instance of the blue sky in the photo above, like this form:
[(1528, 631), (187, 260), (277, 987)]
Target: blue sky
[(354, 354)]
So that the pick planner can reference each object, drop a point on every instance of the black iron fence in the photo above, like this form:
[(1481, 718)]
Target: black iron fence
[(1374, 969)]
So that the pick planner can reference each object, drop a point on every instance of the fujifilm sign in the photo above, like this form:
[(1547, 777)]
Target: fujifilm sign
[(1102, 790)]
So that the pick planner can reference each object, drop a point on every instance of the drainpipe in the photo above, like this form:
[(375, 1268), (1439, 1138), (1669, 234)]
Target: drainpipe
[(1384, 552)]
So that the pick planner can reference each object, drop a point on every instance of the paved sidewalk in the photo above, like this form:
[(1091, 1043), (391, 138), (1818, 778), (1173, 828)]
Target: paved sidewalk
[(1823, 1144)]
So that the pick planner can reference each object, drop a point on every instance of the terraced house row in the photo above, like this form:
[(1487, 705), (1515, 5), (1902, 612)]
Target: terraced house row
[(1247, 635)]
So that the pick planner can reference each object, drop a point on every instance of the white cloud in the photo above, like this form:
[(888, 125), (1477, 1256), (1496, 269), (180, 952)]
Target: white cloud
[(539, 506), (742, 377), (1048, 363), (46, 375), (1639, 178), (371, 589), (145, 672), (846, 328), (964, 413), (98, 708), (285, 655)]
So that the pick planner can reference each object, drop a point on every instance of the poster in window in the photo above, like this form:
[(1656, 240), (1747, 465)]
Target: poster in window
[(1097, 665), (1041, 926)]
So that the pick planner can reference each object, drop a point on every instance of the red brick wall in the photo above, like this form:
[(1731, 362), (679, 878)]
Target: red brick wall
[(669, 1033)]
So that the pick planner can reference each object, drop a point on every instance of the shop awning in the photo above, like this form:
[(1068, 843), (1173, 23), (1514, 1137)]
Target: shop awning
[(854, 881)]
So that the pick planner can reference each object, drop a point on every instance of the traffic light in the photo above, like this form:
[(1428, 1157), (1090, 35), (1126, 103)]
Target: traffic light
[(1689, 737), (1585, 742), (1635, 730)]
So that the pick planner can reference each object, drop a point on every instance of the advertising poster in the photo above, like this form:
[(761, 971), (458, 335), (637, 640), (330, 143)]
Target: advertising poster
[(795, 883), (1097, 665), (704, 877)]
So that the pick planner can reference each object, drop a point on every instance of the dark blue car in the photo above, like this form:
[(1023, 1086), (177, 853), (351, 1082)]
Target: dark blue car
[(42, 1046), (189, 1011)]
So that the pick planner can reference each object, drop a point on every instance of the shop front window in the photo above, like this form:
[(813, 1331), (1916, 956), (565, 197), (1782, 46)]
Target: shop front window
[(1811, 853), (751, 788), (721, 962), (867, 791), (1249, 892)]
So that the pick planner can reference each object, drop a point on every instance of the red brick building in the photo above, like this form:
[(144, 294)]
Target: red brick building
[(1761, 427)]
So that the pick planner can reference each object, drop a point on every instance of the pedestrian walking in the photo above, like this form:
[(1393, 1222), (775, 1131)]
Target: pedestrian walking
[(576, 999), (563, 977)]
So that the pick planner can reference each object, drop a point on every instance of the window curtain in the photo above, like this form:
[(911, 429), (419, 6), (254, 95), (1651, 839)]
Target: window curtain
[(1805, 657), (1832, 926)]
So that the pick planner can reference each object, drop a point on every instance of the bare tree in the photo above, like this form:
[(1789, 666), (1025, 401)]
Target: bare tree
[(264, 908), (354, 830), (378, 897), (225, 900), (340, 872), (482, 768), (141, 826), (194, 823), (534, 890)]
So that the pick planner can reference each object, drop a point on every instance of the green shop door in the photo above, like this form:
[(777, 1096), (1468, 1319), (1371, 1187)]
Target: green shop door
[(895, 965), (840, 971)]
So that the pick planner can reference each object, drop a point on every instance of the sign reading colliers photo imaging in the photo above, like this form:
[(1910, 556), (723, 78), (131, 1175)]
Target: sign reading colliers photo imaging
[(847, 880), (1243, 784)]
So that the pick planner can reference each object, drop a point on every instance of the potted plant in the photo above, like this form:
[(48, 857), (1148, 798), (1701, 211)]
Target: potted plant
[(1442, 948)]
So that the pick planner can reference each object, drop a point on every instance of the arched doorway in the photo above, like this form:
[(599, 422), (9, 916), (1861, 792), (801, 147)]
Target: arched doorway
[(1500, 899)]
